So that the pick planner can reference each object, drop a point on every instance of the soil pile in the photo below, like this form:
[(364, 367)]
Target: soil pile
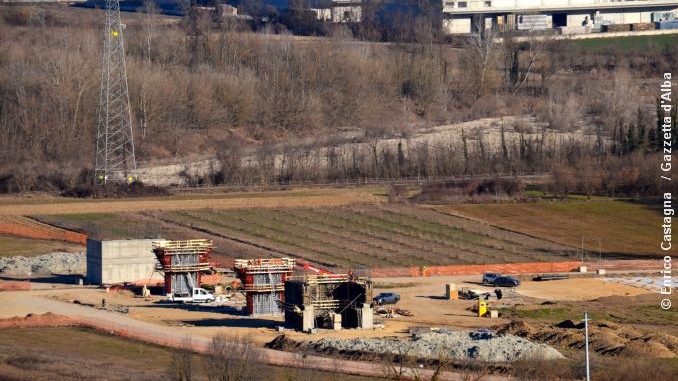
[(458, 345), (605, 337)]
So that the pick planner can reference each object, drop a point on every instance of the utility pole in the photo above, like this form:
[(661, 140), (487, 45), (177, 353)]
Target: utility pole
[(114, 159), (586, 333)]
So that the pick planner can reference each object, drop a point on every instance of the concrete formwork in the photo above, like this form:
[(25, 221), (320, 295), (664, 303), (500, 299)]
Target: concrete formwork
[(328, 301), (119, 261)]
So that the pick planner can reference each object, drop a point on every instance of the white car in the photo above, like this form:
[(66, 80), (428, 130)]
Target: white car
[(199, 295)]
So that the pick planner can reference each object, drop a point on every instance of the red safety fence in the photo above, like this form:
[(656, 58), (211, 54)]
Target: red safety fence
[(504, 268), (514, 268), (18, 285), (29, 228)]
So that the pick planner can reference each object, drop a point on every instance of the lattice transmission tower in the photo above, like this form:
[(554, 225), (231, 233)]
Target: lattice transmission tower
[(115, 145)]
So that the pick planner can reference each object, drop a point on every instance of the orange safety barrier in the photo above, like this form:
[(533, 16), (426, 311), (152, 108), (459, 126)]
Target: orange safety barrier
[(504, 268), (515, 268), (32, 229), (22, 285)]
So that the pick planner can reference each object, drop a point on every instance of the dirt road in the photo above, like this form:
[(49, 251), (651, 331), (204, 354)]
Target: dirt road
[(21, 303), (14, 206)]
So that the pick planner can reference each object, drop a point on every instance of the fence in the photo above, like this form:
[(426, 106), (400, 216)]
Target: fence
[(513, 268), (30, 228)]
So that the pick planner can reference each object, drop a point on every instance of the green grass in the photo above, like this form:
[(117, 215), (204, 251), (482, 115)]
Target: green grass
[(636, 43)]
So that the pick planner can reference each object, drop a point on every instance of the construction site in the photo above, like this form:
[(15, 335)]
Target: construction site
[(499, 276)]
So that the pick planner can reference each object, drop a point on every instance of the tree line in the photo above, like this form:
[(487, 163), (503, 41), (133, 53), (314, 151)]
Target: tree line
[(202, 87)]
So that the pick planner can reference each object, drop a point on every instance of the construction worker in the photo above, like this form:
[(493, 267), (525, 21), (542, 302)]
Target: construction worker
[(499, 294)]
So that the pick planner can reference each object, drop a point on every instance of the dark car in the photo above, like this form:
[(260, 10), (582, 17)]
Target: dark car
[(488, 278), (386, 298), (506, 281)]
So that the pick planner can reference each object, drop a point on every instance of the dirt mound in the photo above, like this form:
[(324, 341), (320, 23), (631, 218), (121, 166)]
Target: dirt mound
[(457, 345), (44, 320), (606, 338), (282, 343)]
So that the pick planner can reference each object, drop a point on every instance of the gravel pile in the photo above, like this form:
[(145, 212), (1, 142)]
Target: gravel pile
[(462, 345), (53, 263)]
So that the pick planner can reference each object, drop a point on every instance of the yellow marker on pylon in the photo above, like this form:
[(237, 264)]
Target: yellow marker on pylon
[(115, 33)]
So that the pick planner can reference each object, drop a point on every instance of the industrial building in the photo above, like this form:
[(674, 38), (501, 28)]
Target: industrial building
[(120, 261), (331, 301), (263, 280), (569, 16), (183, 263)]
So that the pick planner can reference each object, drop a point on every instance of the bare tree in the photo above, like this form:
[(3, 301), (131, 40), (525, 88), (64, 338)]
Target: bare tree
[(480, 55), (232, 359), (181, 365)]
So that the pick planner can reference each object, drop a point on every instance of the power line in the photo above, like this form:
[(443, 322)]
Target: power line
[(114, 159)]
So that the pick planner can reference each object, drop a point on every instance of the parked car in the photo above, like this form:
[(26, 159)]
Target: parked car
[(386, 298), (506, 281), (488, 278), (199, 295)]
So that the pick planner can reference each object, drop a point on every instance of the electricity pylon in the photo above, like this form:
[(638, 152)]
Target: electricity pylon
[(115, 145)]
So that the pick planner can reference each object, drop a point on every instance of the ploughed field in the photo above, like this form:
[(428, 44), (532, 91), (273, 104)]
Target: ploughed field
[(346, 236)]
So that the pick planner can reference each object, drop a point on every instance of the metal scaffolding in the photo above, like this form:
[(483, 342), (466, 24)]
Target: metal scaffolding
[(183, 262), (264, 281), (327, 301), (114, 159)]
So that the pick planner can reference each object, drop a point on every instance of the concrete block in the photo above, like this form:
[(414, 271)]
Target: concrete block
[(367, 317), (336, 322), (119, 261), (307, 319), (450, 289)]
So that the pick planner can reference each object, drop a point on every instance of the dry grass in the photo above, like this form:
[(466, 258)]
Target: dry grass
[(77, 354), (293, 198), (27, 247), (624, 228)]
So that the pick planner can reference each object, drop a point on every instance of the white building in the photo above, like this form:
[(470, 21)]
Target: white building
[(459, 15)]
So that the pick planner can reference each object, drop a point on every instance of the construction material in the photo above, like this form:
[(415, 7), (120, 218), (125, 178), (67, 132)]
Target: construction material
[(451, 292), (53, 263), (494, 314), (120, 261), (671, 24), (264, 281), (183, 263), (544, 278), (642, 26), (313, 302), (583, 269), (617, 28), (462, 345)]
